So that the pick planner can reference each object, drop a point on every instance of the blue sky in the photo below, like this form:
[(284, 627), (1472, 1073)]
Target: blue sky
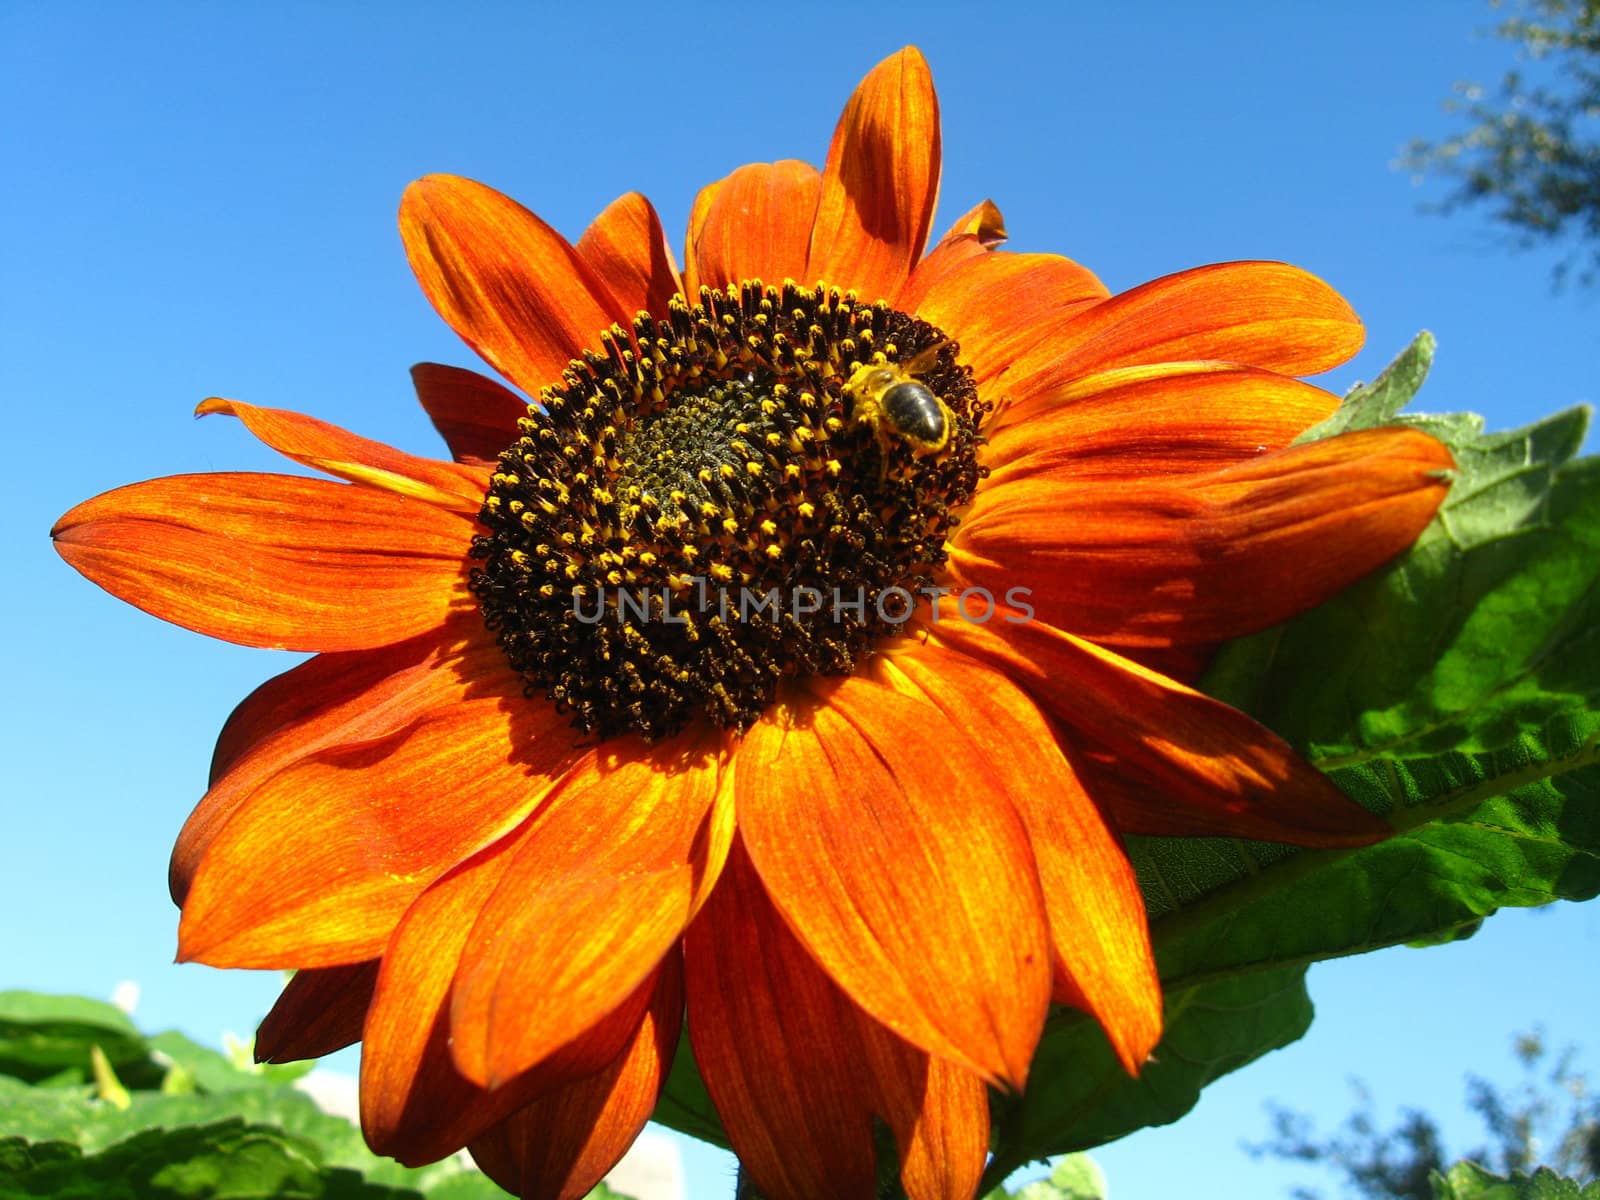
[(200, 200)]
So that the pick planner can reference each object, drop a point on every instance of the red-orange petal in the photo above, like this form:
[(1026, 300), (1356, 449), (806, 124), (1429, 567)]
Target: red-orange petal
[(559, 1146), (1142, 423), (1259, 314), (1098, 927), (276, 561), (337, 452), (1221, 769), (476, 416), (317, 864), (881, 181), (415, 1105), (507, 283), (776, 1057), (757, 225), (797, 1070), (1205, 557), (602, 885), (884, 839), (628, 252), (319, 1011), (326, 701), (995, 304)]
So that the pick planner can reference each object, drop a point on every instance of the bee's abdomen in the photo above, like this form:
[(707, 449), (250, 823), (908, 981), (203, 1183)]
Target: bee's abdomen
[(914, 411)]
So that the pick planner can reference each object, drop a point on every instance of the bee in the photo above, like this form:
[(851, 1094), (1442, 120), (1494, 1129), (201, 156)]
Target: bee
[(890, 398)]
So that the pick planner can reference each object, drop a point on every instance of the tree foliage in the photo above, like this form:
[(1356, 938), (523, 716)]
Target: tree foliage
[(1531, 156), (1550, 1118)]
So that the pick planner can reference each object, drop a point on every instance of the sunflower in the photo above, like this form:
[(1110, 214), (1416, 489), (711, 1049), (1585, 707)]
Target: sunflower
[(788, 669)]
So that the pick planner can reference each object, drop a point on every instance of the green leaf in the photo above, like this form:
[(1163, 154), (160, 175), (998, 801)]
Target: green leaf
[(1369, 405), (223, 1161), (1468, 1181), (212, 1071), (50, 1037), (18, 1155), (249, 1134), (1456, 691)]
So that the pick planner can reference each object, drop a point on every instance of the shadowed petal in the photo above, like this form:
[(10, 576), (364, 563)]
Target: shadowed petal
[(328, 448), (1258, 314), (938, 1113), (477, 417), (1222, 769), (880, 183), (319, 1011), (275, 561), (698, 212), (797, 1070), (415, 1105), (317, 864), (1139, 423), (600, 888), (560, 1145), (886, 843), (628, 252), (510, 285), (1201, 558), (982, 221), (757, 225), (1098, 926)]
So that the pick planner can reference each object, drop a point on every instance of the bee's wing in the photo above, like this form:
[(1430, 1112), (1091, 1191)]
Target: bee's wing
[(923, 359)]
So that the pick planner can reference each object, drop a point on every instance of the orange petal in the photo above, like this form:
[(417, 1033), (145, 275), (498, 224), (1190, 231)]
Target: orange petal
[(335, 451), (319, 1011), (510, 285), (1201, 558), (882, 836), (599, 890), (318, 863), (1259, 314), (757, 225), (559, 1147), (476, 416), (880, 183), (1098, 927), (628, 252), (415, 1105), (1139, 422), (1221, 770), (330, 700), (797, 1070), (994, 304), (273, 560)]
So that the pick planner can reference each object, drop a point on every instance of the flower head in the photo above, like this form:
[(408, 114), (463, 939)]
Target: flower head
[(791, 663)]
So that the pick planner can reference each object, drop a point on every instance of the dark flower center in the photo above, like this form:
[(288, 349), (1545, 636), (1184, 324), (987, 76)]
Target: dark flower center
[(757, 487)]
